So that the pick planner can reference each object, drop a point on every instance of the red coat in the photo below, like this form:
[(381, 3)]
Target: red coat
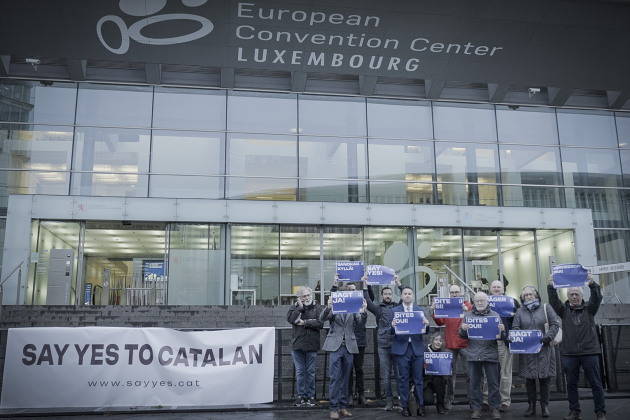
[(453, 340)]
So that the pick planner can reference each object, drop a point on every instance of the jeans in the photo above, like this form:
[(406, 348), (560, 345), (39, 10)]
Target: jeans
[(410, 365), (388, 363), (590, 364), (450, 384), (339, 372), (491, 370), (530, 385), (358, 368), (305, 366), (505, 366)]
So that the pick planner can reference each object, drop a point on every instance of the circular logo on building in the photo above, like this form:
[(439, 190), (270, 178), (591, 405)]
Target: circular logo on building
[(147, 9)]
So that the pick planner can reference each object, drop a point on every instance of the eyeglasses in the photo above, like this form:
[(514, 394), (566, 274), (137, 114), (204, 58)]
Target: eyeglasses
[(454, 293), (481, 301), (529, 294), (306, 295)]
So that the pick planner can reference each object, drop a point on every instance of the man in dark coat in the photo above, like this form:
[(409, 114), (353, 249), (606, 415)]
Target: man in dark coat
[(580, 344), (384, 340), (305, 342), (483, 357)]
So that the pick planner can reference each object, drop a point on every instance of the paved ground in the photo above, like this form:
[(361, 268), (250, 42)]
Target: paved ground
[(618, 408)]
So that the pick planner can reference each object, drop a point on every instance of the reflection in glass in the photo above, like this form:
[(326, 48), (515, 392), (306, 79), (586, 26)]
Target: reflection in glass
[(181, 186), (604, 203), (341, 243), (591, 167), (114, 105), (196, 268), (401, 192), (333, 191), (531, 196), (260, 112), (401, 160), (36, 147), (460, 162), (193, 109), (299, 262), (33, 182), (518, 255), (481, 254), (625, 166), (466, 122), (399, 119), (332, 115), (534, 166), (46, 237), (254, 264), (623, 128), (261, 155), (392, 247), (32, 102), (436, 249), (556, 243), (187, 152), (611, 249), (587, 128), (258, 188), (527, 125), (116, 156)]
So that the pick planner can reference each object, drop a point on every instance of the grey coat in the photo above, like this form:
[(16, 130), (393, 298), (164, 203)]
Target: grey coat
[(543, 364), (341, 330)]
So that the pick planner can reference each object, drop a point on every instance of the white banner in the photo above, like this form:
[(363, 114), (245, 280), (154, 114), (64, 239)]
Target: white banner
[(114, 367)]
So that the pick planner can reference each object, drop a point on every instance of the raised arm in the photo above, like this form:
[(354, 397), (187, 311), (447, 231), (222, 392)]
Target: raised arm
[(596, 298)]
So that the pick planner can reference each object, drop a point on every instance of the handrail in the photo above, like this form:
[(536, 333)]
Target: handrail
[(10, 274), (457, 277)]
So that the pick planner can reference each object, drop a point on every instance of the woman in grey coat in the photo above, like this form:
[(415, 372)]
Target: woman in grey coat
[(541, 366)]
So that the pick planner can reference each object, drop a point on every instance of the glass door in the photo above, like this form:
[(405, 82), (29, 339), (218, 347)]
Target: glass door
[(124, 263)]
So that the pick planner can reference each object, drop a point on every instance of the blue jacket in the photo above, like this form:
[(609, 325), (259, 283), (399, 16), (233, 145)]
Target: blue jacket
[(399, 346)]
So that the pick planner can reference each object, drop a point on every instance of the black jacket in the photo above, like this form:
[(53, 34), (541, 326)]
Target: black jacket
[(305, 337), (381, 312), (579, 331)]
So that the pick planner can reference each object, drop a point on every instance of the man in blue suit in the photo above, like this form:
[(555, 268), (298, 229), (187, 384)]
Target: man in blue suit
[(409, 351)]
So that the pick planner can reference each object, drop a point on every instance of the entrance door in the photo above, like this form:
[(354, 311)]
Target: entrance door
[(124, 263)]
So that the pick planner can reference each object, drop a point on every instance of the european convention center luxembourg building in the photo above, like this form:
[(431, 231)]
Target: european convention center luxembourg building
[(227, 152)]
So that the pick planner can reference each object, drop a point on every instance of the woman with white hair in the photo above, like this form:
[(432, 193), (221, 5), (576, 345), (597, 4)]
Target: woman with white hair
[(533, 315)]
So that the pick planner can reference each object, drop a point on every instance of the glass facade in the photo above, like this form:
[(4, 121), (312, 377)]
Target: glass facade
[(138, 141)]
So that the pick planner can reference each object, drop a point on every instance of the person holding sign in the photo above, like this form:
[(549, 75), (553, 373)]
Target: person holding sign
[(483, 354), (580, 344), (533, 315), (357, 362), (341, 343), (436, 384), (305, 342), (384, 339), (454, 344), (502, 302), (408, 346)]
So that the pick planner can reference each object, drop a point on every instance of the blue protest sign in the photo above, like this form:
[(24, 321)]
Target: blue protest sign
[(410, 322), (448, 307), (483, 328), (503, 305), (379, 275), (438, 363), (350, 270), (347, 302), (525, 341), (569, 275)]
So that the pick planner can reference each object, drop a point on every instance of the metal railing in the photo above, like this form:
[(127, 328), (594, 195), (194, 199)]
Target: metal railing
[(19, 284)]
